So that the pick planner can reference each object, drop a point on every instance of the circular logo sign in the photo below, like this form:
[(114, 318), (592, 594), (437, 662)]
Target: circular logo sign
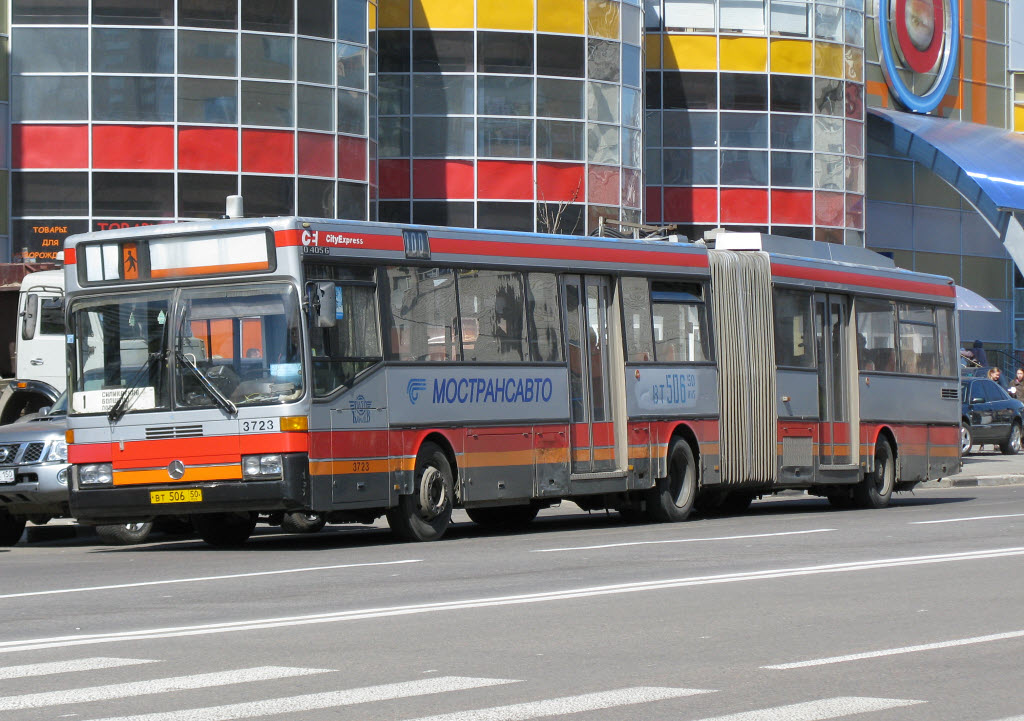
[(922, 37), (176, 469)]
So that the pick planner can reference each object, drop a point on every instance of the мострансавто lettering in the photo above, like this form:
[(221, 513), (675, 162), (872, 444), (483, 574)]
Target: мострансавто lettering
[(489, 390)]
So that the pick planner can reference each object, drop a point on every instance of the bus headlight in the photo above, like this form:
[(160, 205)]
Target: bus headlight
[(58, 452), (95, 474), (268, 466)]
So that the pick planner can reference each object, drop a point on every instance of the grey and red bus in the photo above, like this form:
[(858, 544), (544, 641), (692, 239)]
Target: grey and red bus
[(238, 369)]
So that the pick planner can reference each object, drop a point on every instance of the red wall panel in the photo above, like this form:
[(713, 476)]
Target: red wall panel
[(394, 179), (652, 209), (560, 182), (793, 207), (49, 146), (442, 179), (691, 205), (268, 151), (744, 205), (135, 147), (352, 158), (208, 149), (504, 180), (316, 154), (830, 208), (603, 185)]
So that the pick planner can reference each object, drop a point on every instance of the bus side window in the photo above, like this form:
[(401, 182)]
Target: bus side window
[(636, 313), (491, 315), (876, 334), (793, 334), (680, 322), (543, 320)]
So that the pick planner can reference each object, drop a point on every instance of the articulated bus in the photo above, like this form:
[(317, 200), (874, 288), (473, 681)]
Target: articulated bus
[(298, 368)]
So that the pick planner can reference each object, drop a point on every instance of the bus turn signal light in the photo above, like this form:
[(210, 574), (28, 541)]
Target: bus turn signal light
[(294, 423), (69, 436)]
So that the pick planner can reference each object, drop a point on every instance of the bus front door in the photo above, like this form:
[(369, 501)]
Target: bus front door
[(592, 436), (835, 428)]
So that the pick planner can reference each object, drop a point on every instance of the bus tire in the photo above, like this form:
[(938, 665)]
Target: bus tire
[(1011, 446), (303, 522), (672, 497), (11, 528), (876, 488), (504, 517), (736, 502), (424, 514), (124, 534), (224, 529)]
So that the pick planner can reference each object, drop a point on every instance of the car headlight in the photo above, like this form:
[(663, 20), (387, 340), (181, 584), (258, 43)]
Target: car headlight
[(58, 451), (267, 466), (95, 474), (62, 476)]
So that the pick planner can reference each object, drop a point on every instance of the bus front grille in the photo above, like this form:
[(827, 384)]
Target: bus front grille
[(157, 433)]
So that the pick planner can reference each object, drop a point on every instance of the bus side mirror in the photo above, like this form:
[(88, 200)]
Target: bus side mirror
[(28, 317), (325, 305)]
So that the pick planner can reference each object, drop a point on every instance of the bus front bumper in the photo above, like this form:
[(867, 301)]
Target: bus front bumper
[(123, 504)]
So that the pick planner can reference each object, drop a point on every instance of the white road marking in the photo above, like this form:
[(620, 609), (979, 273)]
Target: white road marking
[(35, 644), (79, 664), (315, 701), (158, 685), (568, 704), (197, 579), (1014, 718), (829, 708), (972, 518), (682, 540), (897, 651)]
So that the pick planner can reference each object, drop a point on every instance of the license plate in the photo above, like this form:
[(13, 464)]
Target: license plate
[(6, 475), (189, 495)]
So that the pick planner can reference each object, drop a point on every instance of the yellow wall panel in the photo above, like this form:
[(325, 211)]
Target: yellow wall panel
[(652, 51), (828, 60), (1018, 118), (691, 52), (746, 54), (504, 15), (792, 56), (442, 13), (394, 13), (603, 19), (371, 17), (559, 16)]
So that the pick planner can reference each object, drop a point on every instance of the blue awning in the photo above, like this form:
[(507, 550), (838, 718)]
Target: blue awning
[(984, 164)]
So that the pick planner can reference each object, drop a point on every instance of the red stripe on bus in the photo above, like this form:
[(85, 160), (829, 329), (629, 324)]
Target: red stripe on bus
[(629, 256), (864, 280), (69, 256), (212, 449)]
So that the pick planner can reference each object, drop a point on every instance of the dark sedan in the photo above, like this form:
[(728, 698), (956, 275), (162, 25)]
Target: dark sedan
[(989, 416)]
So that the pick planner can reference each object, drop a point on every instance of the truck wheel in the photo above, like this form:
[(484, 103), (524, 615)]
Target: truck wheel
[(671, 499), (224, 529), (424, 514), (124, 534), (876, 488), (302, 522), (11, 528), (504, 516)]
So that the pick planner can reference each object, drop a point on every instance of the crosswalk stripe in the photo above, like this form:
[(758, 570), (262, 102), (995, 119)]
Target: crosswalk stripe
[(828, 708), (315, 701), (159, 685), (569, 704), (80, 664)]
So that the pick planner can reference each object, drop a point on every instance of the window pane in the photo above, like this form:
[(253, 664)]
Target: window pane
[(207, 101), (829, 172), (351, 201), (32, 98), (603, 144), (430, 212), (50, 12), (632, 148), (206, 53), (690, 130), (691, 167), (316, 18), (828, 97), (492, 315), (631, 25), (269, 16), (542, 317), (918, 342), (393, 97), (267, 196), (202, 195), (603, 60), (792, 132), (680, 328), (636, 307), (316, 198), (208, 13), (876, 344), (560, 55), (135, 12), (442, 137), (828, 22), (443, 94), (505, 138), (741, 15), (560, 140), (791, 94), (632, 108), (854, 28), (793, 334), (351, 112), (316, 108), (133, 99), (947, 349), (314, 61), (422, 315), (352, 23), (49, 50), (744, 167), (690, 14), (603, 102), (394, 137), (559, 98), (441, 52), (267, 104), (266, 56), (505, 53), (744, 92), (393, 50), (351, 66), (49, 194), (691, 91), (790, 17), (744, 130), (792, 170), (502, 95), (632, 72), (132, 51), (126, 195), (353, 344)]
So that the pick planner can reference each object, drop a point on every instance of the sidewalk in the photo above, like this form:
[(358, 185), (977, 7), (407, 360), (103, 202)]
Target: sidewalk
[(985, 468)]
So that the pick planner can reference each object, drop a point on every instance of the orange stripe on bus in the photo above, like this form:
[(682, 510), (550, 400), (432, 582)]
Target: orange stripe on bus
[(195, 474), (209, 269)]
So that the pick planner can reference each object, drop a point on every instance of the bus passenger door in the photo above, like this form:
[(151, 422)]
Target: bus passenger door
[(591, 432), (835, 428)]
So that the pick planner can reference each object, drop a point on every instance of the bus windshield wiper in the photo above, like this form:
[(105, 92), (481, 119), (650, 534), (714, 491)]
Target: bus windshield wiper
[(118, 410), (210, 388)]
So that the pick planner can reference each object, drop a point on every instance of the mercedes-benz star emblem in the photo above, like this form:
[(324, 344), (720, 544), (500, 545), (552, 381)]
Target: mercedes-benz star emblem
[(176, 470)]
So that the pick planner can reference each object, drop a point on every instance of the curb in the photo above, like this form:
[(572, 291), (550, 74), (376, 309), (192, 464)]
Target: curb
[(974, 481), (56, 532)]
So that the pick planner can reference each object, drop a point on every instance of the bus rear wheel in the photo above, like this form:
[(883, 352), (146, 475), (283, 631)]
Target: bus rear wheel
[(224, 529), (424, 514), (876, 488), (671, 499)]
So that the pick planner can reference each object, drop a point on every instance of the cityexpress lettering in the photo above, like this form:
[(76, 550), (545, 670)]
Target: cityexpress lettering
[(678, 389), (489, 390), (316, 237)]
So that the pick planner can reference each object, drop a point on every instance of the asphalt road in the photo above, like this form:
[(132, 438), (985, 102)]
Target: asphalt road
[(792, 611)]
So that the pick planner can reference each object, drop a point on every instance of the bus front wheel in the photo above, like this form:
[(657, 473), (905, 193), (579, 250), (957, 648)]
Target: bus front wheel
[(876, 488), (224, 529), (671, 499), (424, 514)]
